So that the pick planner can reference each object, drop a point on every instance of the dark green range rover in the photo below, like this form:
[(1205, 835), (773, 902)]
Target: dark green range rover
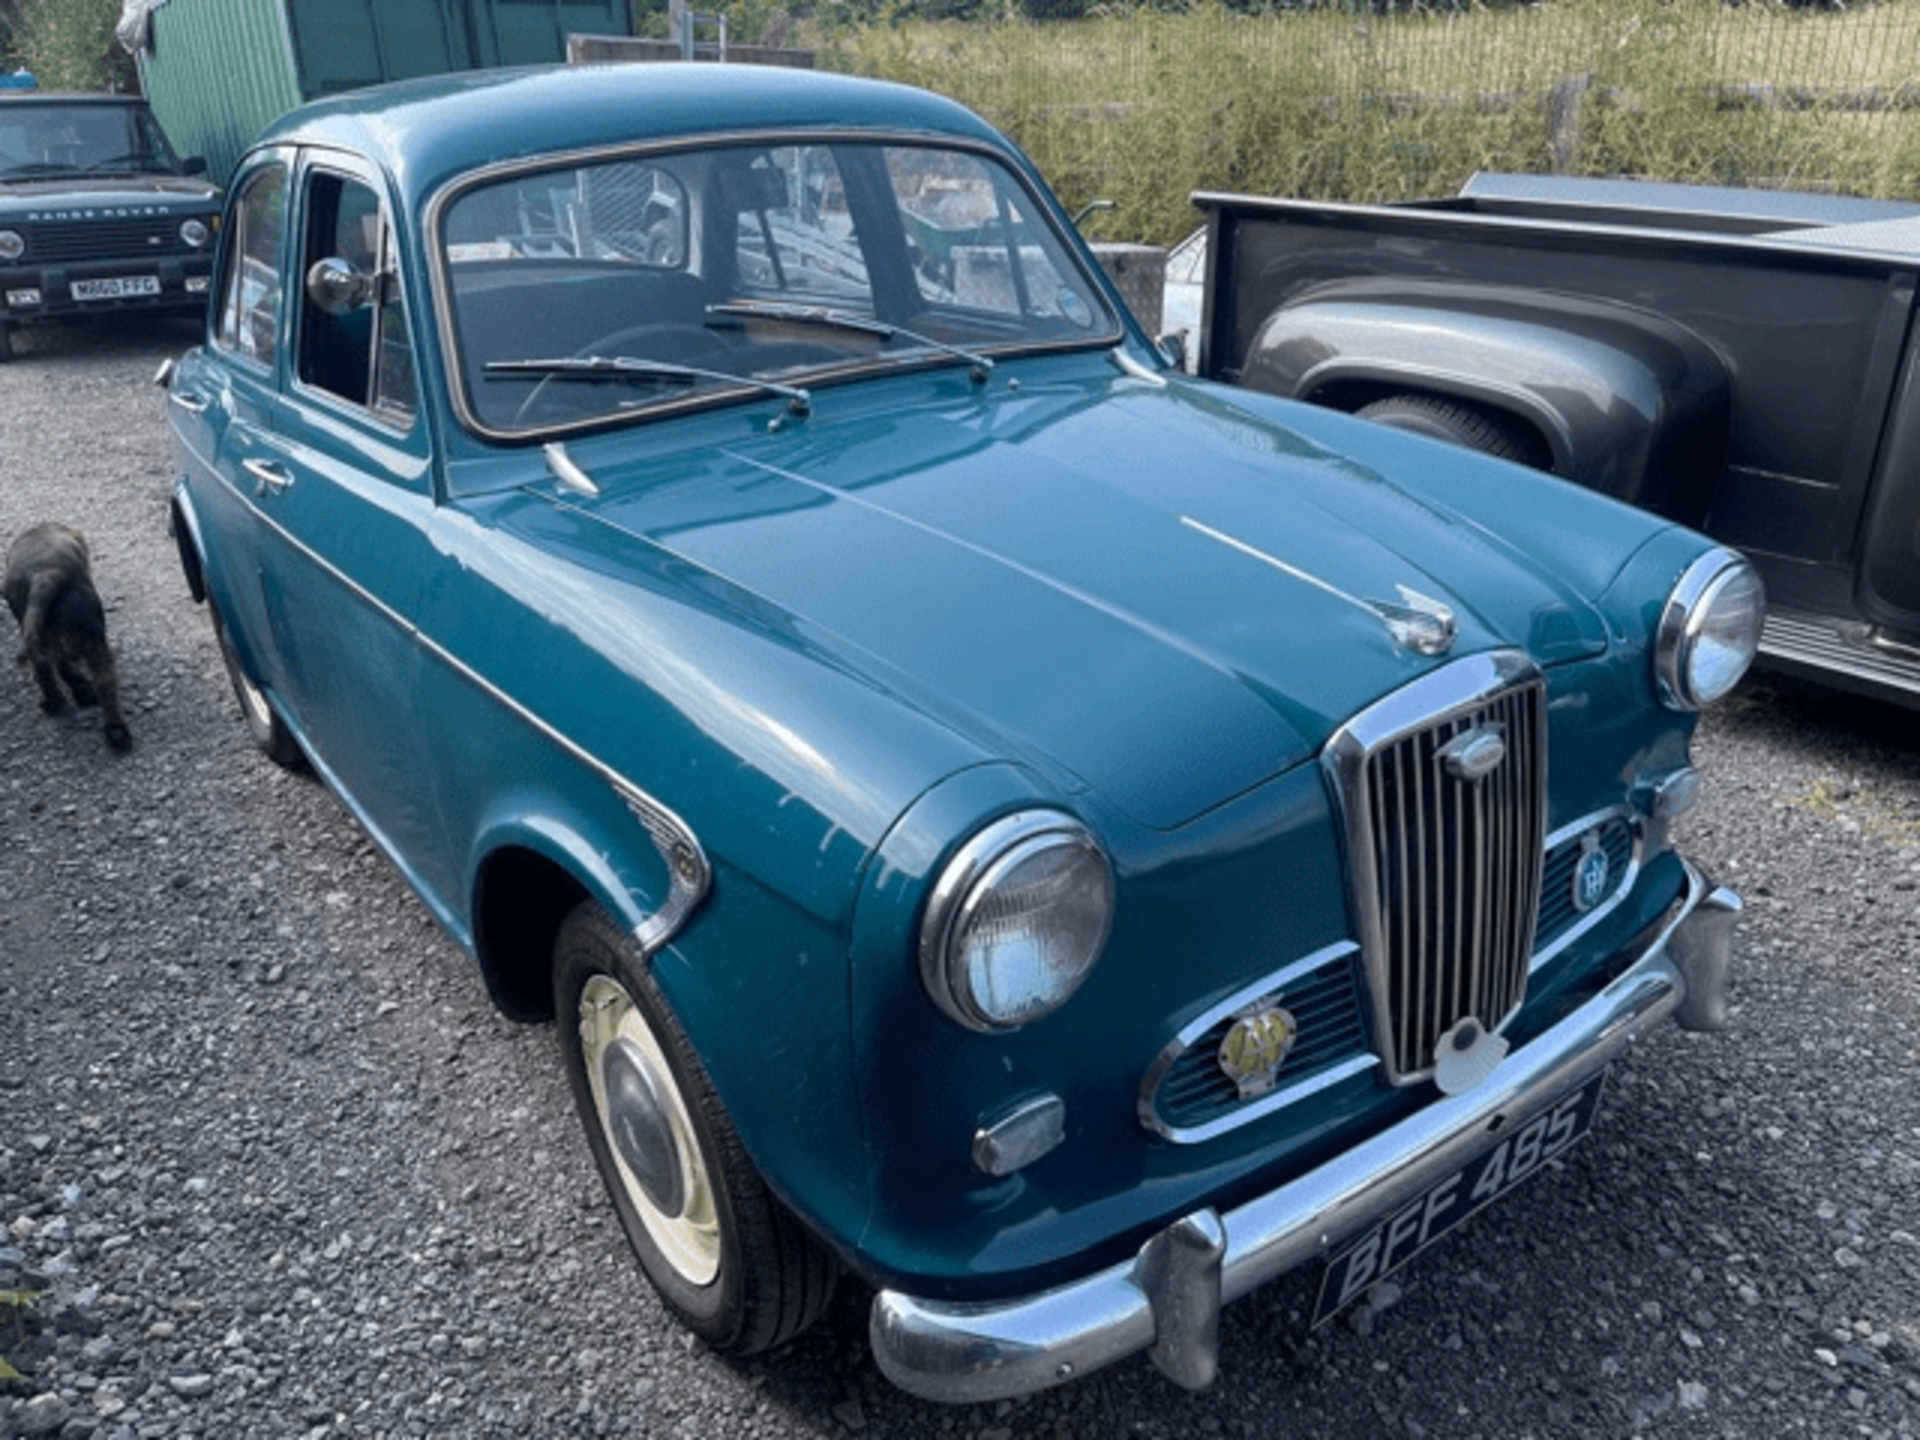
[(96, 211)]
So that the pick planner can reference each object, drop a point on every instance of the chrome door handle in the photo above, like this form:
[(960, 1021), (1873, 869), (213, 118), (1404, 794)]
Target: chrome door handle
[(268, 476), (190, 401)]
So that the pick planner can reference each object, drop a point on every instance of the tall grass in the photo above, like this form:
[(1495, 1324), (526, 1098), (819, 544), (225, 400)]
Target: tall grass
[(1145, 106)]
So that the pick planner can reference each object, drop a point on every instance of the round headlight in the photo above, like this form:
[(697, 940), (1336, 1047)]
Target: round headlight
[(194, 232), (12, 245), (1016, 922), (1709, 631)]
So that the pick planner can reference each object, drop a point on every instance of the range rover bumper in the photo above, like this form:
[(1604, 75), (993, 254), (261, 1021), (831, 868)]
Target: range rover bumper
[(1167, 1299), (178, 283)]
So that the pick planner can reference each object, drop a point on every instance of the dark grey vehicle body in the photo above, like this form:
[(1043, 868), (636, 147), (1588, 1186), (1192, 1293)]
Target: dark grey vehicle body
[(1739, 360)]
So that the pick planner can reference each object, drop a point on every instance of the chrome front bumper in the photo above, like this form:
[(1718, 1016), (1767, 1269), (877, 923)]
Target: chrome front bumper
[(1167, 1299)]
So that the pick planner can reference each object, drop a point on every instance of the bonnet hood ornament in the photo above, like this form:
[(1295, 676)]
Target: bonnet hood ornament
[(1418, 622)]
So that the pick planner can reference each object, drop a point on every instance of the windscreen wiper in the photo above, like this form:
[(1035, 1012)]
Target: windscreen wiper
[(979, 366), (628, 367)]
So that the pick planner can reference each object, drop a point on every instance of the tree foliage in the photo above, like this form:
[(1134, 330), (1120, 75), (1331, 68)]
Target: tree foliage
[(67, 44)]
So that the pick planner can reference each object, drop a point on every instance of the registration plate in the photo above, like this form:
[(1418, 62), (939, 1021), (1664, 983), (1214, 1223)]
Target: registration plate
[(1481, 1181), (116, 288)]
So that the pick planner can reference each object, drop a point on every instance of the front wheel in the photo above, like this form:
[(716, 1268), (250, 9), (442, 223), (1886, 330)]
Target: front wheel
[(264, 724), (730, 1263)]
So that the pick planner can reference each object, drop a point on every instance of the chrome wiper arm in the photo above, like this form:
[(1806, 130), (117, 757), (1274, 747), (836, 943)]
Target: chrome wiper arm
[(979, 364), (628, 367)]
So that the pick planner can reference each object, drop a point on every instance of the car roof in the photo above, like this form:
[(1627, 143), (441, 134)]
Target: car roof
[(429, 130)]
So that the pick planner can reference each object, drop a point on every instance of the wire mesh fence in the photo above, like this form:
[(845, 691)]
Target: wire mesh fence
[(1340, 103)]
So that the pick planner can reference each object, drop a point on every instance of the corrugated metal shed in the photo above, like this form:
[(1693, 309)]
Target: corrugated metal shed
[(217, 70)]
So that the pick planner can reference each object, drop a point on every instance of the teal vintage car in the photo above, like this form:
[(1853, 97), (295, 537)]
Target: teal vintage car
[(1062, 841)]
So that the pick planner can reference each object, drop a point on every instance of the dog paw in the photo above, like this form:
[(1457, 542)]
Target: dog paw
[(119, 737)]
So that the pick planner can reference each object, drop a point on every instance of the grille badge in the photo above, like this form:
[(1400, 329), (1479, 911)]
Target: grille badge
[(1590, 873), (1256, 1046), (1475, 754)]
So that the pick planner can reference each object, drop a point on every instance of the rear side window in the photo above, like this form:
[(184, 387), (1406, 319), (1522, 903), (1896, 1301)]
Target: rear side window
[(248, 320)]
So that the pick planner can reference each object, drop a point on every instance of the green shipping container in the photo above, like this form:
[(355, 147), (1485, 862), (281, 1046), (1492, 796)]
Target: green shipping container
[(215, 71)]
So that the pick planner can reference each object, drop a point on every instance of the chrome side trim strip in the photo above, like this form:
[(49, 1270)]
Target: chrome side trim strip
[(688, 869)]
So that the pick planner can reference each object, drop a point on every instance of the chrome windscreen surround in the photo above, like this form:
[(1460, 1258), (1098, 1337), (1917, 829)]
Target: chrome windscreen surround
[(1443, 859), (1185, 1098)]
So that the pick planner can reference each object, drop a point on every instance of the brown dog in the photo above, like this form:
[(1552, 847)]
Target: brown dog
[(63, 626)]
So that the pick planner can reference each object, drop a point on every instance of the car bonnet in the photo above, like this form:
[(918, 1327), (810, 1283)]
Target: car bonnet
[(1141, 585)]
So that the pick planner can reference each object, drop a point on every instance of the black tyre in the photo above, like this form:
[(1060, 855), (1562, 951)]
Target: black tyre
[(730, 1263), (269, 731), (1458, 423)]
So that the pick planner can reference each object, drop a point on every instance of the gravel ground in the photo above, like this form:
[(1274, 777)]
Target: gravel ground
[(282, 1172)]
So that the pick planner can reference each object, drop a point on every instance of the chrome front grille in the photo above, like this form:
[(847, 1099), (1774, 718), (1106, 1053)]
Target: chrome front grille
[(1444, 864)]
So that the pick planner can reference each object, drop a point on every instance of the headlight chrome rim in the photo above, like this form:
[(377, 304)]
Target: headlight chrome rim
[(194, 232), (1690, 612), (12, 244), (970, 879)]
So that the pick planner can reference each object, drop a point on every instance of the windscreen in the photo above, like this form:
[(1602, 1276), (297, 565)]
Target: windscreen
[(637, 284)]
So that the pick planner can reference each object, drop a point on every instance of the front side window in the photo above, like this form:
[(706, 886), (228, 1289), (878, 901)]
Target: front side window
[(636, 285), (354, 338), (247, 320)]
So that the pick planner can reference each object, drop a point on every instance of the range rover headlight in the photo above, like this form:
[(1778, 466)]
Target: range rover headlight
[(194, 232), (12, 245), (1016, 922), (1709, 631)]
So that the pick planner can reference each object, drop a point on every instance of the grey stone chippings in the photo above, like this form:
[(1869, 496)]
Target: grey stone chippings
[(279, 1170)]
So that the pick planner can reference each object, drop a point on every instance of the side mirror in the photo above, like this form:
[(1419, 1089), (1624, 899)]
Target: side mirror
[(1090, 208), (1173, 345), (336, 288), (194, 165)]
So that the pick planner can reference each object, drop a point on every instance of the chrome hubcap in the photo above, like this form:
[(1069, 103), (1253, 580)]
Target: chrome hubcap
[(647, 1127)]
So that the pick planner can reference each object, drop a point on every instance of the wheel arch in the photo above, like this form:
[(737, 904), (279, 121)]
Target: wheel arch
[(1628, 403), (521, 896)]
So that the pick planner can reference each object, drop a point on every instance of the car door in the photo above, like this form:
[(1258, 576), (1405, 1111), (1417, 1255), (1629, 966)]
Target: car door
[(346, 491), (224, 401)]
